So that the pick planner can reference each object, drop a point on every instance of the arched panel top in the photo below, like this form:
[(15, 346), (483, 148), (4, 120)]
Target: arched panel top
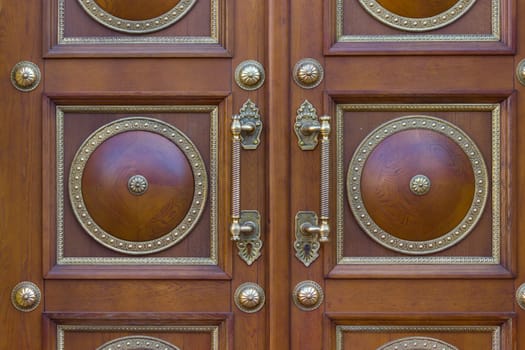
[(418, 15), (137, 16), (417, 343), (138, 343)]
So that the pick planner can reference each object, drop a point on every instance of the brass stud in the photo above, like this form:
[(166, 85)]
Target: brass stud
[(26, 296), (308, 73), (420, 185), (308, 295), (137, 185), (520, 296), (520, 72), (249, 297), (25, 76), (249, 75)]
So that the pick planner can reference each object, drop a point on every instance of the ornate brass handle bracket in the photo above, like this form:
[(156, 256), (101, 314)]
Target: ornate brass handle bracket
[(246, 128), (308, 232)]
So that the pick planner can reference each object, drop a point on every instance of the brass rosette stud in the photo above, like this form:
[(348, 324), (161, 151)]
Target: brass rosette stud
[(26, 296), (520, 72), (249, 297), (308, 73), (520, 296), (25, 76), (308, 295), (250, 75)]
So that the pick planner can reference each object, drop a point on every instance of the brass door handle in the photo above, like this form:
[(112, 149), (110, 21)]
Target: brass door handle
[(309, 228), (246, 128)]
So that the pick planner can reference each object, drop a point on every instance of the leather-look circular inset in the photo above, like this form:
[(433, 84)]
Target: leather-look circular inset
[(137, 16), (168, 189), (385, 169), (417, 15)]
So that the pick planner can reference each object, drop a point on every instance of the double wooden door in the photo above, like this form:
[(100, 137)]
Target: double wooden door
[(364, 156)]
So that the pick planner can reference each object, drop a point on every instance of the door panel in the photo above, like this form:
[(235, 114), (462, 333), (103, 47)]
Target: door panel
[(126, 264), (387, 277), (373, 27)]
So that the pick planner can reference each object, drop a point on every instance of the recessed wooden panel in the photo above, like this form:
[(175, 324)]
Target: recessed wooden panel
[(482, 123), (444, 26), (451, 337), (72, 125), (178, 334), (114, 28)]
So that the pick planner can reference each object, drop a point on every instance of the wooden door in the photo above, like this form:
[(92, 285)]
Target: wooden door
[(420, 173), (117, 170), (424, 172)]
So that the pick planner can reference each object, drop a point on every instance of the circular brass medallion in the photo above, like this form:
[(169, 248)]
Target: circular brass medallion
[(308, 295), (250, 75), (26, 296), (138, 185), (249, 297), (308, 73), (417, 185), (420, 185), (137, 343), (417, 15), (25, 76), (137, 16)]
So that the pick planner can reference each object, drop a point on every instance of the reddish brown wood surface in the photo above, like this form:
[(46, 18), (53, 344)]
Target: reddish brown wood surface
[(20, 161), (137, 9), (417, 9), (148, 215), (387, 194)]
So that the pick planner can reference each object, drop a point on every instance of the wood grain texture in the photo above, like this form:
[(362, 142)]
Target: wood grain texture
[(148, 215), (417, 8), (20, 166), (137, 10), (386, 185)]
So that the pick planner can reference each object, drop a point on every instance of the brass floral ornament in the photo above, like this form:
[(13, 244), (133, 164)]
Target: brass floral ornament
[(520, 72), (250, 75), (137, 185), (308, 295), (420, 185), (249, 297), (25, 76), (308, 73), (26, 296)]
